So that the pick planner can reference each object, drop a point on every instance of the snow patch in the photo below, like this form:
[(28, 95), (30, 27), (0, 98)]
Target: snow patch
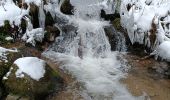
[(163, 51), (9, 38), (9, 11), (4, 52), (33, 35), (32, 66), (37, 2)]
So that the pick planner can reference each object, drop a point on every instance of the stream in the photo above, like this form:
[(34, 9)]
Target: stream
[(83, 51)]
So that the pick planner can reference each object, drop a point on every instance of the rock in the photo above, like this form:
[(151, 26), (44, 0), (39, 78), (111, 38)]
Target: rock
[(52, 33), (1, 92), (34, 10), (49, 21), (4, 68), (15, 97), (116, 23), (28, 87), (66, 7), (110, 17)]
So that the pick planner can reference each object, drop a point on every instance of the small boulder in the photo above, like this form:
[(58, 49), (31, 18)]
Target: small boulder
[(67, 8), (32, 77), (51, 34)]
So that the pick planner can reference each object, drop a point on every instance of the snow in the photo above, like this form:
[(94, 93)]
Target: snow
[(37, 2), (9, 38), (32, 66), (4, 52), (163, 51), (9, 11), (33, 35), (141, 15)]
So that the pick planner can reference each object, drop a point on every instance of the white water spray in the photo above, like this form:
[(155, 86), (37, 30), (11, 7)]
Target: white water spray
[(84, 50)]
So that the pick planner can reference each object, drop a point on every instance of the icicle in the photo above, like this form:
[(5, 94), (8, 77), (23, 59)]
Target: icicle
[(41, 15)]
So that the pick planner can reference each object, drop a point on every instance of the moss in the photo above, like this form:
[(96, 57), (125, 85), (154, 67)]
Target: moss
[(27, 87), (6, 27), (4, 68), (116, 23)]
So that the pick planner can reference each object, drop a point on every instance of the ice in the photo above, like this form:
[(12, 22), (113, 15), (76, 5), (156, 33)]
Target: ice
[(33, 35), (163, 51), (4, 52), (138, 17), (41, 16)]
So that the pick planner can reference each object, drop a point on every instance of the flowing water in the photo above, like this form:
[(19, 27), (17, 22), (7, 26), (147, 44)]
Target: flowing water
[(83, 50)]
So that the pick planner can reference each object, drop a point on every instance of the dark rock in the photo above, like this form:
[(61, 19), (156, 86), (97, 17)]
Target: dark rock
[(110, 17), (66, 7), (51, 34), (34, 10), (49, 21)]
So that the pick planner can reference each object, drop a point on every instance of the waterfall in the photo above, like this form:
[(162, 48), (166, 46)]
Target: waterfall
[(121, 42), (84, 51)]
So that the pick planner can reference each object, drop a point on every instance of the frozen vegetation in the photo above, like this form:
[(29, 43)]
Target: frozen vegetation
[(148, 23), (4, 52)]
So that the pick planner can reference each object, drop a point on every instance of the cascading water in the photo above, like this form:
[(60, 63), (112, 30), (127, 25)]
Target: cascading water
[(84, 50)]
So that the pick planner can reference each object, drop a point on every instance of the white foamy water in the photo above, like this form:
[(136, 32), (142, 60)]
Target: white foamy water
[(84, 51)]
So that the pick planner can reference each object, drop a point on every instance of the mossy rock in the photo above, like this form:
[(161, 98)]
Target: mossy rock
[(15, 97), (4, 68), (1, 92), (7, 27), (28, 87), (116, 23)]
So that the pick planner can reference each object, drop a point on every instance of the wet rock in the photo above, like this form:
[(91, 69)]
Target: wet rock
[(15, 97), (1, 92), (30, 88), (147, 75), (52, 33), (116, 23), (110, 17), (66, 7), (34, 10), (49, 21), (4, 68)]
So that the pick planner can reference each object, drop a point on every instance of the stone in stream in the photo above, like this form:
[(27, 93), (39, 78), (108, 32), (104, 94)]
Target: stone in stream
[(20, 83), (66, 7)]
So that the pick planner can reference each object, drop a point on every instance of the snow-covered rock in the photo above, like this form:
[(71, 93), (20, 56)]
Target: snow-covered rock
[(10, 11), (31, 77), (31, 66)]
